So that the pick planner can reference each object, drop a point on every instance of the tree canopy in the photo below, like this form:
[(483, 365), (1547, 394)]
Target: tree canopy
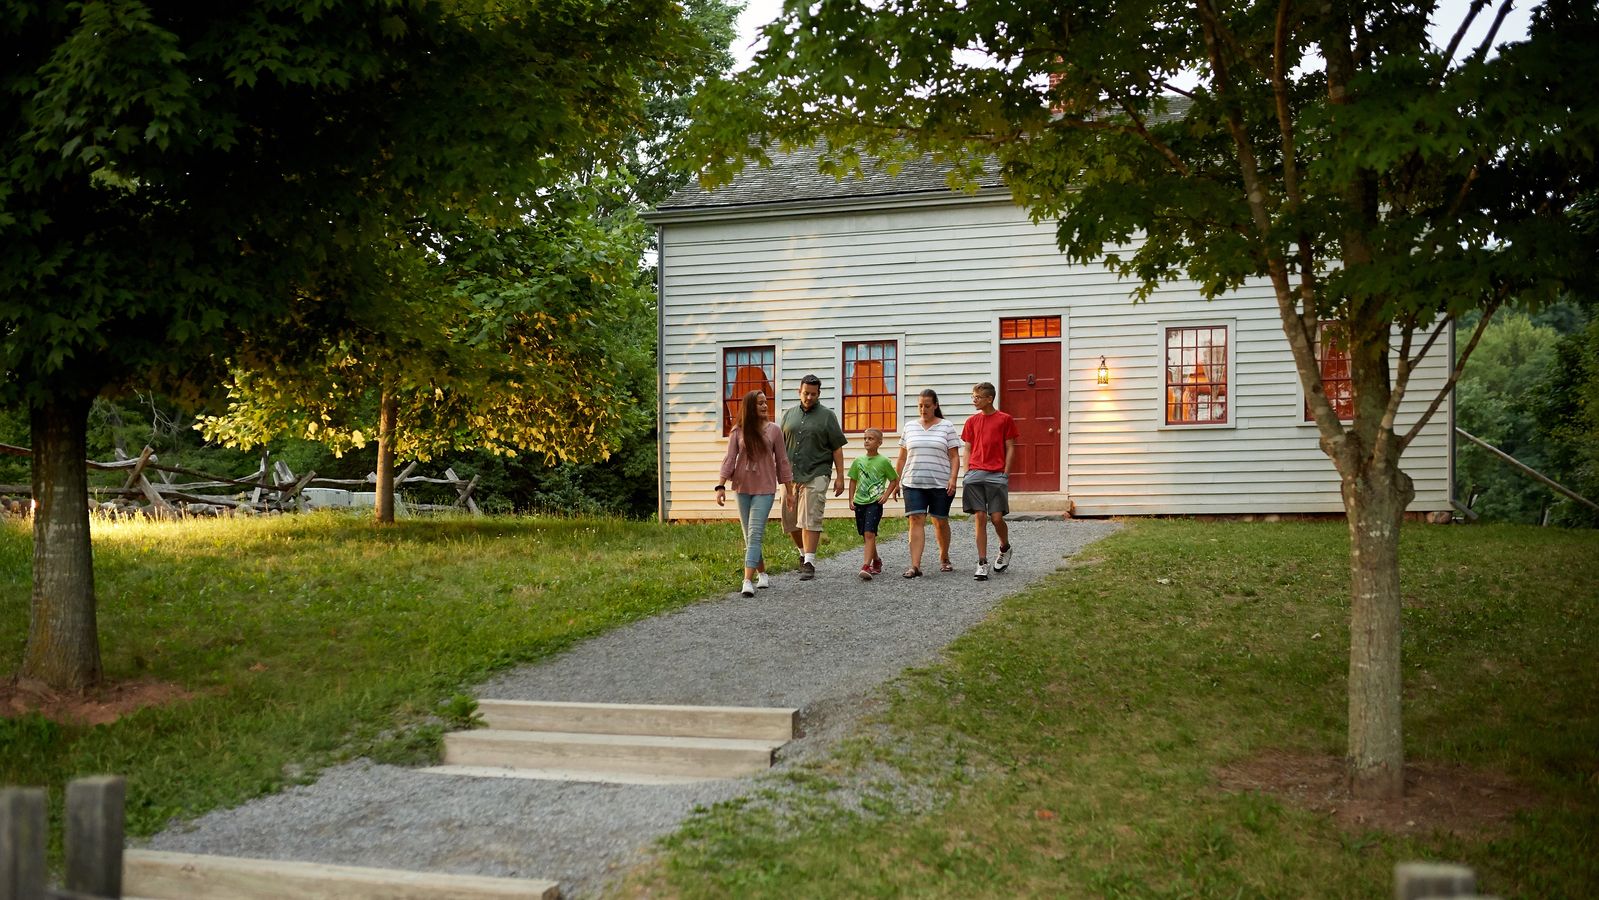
[(1380, 183), (176, 177), (517, 339)]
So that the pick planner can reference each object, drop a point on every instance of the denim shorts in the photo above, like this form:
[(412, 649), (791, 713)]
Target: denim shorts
[(867, 517), (932, 501)]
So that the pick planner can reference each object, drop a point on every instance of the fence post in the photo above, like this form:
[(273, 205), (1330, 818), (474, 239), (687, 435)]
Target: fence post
[(1416, 880), (94, 837), (22, 824)]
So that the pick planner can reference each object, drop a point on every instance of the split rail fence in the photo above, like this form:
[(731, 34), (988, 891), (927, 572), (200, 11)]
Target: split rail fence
[(271, 487)]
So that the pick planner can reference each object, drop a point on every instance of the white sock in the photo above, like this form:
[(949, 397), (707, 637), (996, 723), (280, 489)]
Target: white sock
[(810, 558)]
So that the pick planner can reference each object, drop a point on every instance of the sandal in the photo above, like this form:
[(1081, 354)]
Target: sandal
[(946, 566), (912, 572)]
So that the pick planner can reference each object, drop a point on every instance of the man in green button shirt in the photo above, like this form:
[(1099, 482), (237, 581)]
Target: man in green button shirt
[(815, 444)]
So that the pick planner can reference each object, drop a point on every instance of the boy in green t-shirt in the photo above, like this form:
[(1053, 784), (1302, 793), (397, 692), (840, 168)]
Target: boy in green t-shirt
[(871, 478)]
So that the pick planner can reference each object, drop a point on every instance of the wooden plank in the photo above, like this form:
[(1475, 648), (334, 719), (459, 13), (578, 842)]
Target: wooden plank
[(405, 473), (220, 479), (465, 496), (138, 467), (1550, 482), (158, 504), (633, 753), (94, 835), (1415, 880), (203, 498), (297, 487), (22, 840), (154, 874), (261, 476), (747, 722)]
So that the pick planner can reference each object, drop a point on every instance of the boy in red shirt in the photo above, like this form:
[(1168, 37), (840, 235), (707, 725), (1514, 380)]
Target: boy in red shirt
[(991, 436)]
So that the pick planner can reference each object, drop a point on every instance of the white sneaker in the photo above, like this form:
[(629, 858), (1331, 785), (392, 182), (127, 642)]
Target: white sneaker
[(982, 572), (1002, 562), (762, 582), (748, 589)]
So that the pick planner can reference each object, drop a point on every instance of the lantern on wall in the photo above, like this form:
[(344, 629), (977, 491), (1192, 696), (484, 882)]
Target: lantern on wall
[(1102, 376)]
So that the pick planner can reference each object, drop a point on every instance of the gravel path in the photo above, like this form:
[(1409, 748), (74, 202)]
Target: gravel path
[(822, 646)]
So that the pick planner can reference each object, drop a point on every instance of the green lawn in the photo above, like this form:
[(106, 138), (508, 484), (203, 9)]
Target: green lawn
[(310, 639), (1068, 746)]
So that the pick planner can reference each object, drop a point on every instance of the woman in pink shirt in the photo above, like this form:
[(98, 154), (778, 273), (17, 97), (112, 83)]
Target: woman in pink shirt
[(756, 463)]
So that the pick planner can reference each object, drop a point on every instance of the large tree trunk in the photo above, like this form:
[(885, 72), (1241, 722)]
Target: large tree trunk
[(388, 416), (1375, 502), (63, 647)]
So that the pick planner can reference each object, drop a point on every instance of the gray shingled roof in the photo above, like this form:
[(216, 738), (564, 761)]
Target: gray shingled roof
[(792, 178)]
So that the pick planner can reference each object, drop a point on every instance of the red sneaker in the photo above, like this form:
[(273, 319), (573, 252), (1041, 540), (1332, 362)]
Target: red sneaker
[(866, 573)]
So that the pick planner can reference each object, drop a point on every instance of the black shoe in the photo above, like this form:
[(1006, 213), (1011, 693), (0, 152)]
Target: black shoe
[(807, 571)]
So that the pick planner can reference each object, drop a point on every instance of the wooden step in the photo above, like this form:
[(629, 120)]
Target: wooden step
[(595, 776), (643, 754), (747, 722), (185, 876)]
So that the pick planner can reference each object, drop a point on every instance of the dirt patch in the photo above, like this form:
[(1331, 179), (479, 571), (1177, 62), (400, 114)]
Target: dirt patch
[(1438, 797), (99, 706)]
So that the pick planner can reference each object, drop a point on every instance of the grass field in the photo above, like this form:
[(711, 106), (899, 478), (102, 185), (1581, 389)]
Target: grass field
[(310, 639), (1071, 745)]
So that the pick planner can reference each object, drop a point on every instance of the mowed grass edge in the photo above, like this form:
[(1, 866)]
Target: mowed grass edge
[(1069, 746), (307, 640)]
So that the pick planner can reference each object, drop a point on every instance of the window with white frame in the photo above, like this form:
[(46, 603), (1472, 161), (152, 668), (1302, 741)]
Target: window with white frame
[(1337, 382), (1197, 376), (746, 369), (871, 385)]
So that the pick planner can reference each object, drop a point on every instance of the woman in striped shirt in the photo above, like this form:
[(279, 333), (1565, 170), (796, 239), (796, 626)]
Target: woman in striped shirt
[(929, 461)]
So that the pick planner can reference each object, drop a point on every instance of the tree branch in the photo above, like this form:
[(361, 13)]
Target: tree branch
[(1477, 6), (1140, 130), (1488, 39), (1454, 376), (1396, 393)]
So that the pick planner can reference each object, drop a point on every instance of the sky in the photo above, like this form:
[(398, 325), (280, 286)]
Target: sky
[(759, 12)]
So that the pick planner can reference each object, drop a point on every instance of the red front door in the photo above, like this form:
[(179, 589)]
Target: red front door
[(1029, 389)]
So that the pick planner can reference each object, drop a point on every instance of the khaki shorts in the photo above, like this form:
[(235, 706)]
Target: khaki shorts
[(806, 513)]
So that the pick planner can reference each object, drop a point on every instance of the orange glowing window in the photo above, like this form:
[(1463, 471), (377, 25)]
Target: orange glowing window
[(1033, 327), (1336, 380), (1196, 375), (871, 385), (746, 369)]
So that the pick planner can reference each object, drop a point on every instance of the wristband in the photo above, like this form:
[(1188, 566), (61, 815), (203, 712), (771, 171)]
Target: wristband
[(721, 487)]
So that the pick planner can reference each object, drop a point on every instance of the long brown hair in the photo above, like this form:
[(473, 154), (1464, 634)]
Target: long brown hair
[(754, 427), (938, 411)]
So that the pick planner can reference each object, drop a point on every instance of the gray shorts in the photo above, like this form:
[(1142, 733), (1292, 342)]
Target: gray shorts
[(984, 496)]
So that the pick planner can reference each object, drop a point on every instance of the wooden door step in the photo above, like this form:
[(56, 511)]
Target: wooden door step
[(746, 722), (612, 753), (158, 875)]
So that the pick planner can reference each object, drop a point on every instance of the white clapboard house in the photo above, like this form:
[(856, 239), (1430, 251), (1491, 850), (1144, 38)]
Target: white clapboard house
[(884, 286)]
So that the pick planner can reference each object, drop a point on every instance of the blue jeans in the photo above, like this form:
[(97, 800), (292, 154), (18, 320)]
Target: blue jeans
[(753, 511)]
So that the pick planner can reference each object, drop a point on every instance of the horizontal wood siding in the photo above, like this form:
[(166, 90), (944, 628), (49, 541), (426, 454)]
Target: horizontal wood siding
[(936, 279)]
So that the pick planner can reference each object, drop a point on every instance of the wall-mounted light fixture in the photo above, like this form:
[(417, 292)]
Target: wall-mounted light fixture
[(1103, 375)]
